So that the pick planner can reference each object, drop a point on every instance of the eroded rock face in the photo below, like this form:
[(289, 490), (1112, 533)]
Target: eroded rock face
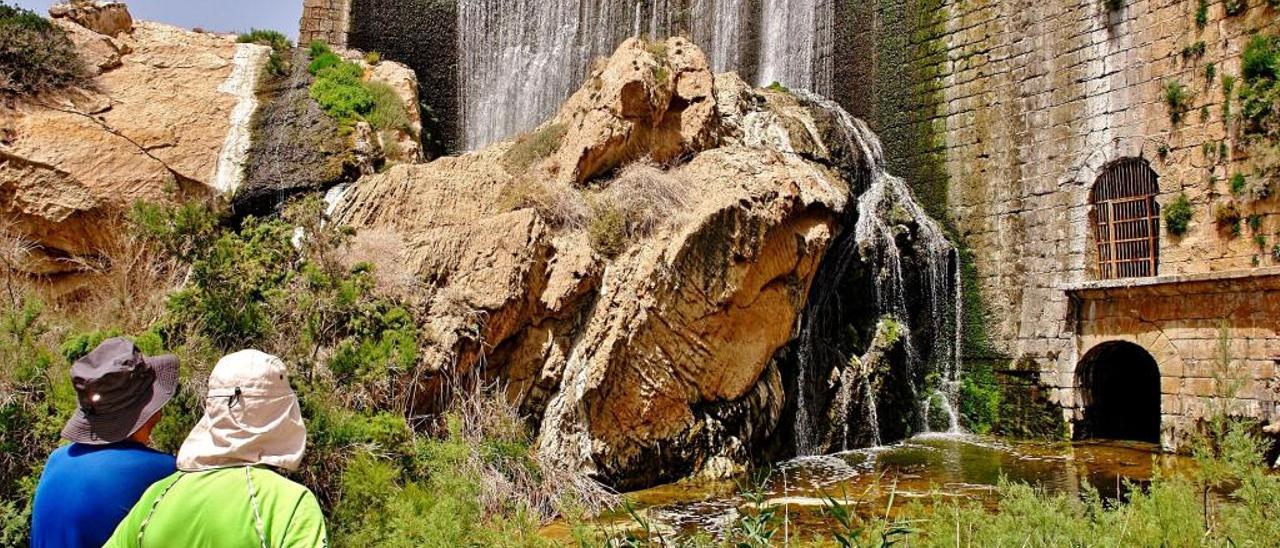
[(106, 18), (657, 362), (153, 126), (650, 99)]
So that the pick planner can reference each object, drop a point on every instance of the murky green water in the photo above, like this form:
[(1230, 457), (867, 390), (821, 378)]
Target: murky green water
[(924, 469)]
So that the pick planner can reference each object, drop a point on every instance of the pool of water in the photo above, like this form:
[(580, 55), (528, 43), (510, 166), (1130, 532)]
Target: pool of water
[(879, 480)]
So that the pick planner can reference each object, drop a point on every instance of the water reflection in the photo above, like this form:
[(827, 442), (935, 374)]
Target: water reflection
[(923, 469)]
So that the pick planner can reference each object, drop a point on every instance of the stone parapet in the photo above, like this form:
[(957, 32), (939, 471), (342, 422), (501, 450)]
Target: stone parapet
[(326, 21)]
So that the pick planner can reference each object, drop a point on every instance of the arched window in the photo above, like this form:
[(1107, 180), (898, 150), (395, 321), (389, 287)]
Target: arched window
[(1126, 220)]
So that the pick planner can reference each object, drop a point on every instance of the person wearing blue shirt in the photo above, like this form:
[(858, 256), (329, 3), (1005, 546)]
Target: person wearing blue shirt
[(89, 486)]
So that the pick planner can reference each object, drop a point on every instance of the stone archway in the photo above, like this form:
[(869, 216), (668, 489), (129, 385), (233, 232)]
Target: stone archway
[(1119, 388)]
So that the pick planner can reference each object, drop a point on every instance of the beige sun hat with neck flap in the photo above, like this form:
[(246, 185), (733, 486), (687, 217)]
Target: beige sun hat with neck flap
[(251, 417)]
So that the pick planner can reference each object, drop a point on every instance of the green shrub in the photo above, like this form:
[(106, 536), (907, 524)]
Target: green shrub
[(323, 61), (1210, 73), (79, 345), (280, 47), (341, 93), (530, 148), (1177, 99), (35, 55), (1202, 14), (318, 48), (1196, 49), (388, 111), (1259, 92), (1177, 215), (1238, 184), (979, 398)]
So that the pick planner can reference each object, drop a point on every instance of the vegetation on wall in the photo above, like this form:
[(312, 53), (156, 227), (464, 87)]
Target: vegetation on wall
[(1228, 218), (1178, 215), (36, 55), (1178, 100), (1259, 91)]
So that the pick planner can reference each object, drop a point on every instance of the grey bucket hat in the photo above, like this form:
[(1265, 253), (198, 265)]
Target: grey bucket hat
[(119, 390)]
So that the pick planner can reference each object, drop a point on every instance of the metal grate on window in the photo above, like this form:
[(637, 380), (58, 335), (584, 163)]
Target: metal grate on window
[(1126, 220)]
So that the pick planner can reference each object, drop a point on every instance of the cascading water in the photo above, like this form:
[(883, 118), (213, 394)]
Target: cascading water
[(797, 44), (890, 279), (520, 59)]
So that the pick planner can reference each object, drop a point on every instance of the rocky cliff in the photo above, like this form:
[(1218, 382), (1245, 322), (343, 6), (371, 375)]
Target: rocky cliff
[(629, 270), (168, 115), (163, 116)]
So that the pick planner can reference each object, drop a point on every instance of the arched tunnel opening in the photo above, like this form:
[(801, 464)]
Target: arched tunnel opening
[(1119, 383)]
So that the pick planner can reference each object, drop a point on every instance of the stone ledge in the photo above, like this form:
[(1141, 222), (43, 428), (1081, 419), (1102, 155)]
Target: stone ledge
[(1233, 281)]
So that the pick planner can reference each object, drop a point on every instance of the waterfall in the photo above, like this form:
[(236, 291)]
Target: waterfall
[(797, 44), (518, 60), (891, 269)]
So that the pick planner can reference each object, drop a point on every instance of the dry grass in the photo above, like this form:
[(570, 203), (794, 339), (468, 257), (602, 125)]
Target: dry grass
[(530, 148), (642, 199), (549, 490), (387, 250), (130, 280), (560, 204), (124, 284), (15, 251)]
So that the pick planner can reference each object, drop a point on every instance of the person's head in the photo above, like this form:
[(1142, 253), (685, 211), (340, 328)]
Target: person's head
[(119, 393), (251, 416)]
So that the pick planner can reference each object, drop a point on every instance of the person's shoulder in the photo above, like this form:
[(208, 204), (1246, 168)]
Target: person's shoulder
[(61, 453), (270, 479), (142, 455)]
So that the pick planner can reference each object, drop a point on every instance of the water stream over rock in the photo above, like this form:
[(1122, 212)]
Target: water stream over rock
[(878, 346)]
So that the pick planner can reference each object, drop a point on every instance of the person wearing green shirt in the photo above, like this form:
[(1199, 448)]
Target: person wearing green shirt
[(226, 493)]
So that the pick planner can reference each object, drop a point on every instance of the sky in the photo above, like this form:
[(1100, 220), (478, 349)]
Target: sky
[(211, 15)]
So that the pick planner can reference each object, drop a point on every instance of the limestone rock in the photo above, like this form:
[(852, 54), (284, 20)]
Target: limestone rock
[(100, 52), (401, 78), (657, 362), (108, 18), (649, 99), (151, 128)]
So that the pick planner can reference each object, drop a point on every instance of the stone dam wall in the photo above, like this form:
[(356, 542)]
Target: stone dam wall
[(1012, 110)]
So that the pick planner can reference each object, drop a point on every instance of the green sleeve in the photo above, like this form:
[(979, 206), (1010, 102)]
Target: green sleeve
[(126, 533), (306, 529)]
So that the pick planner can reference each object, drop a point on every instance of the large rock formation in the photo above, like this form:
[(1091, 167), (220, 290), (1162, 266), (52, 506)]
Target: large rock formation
[(652, 358), (171, 115), (163, 118)]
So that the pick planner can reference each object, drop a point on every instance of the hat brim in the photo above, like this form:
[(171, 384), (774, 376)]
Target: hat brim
[(119, 426)]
